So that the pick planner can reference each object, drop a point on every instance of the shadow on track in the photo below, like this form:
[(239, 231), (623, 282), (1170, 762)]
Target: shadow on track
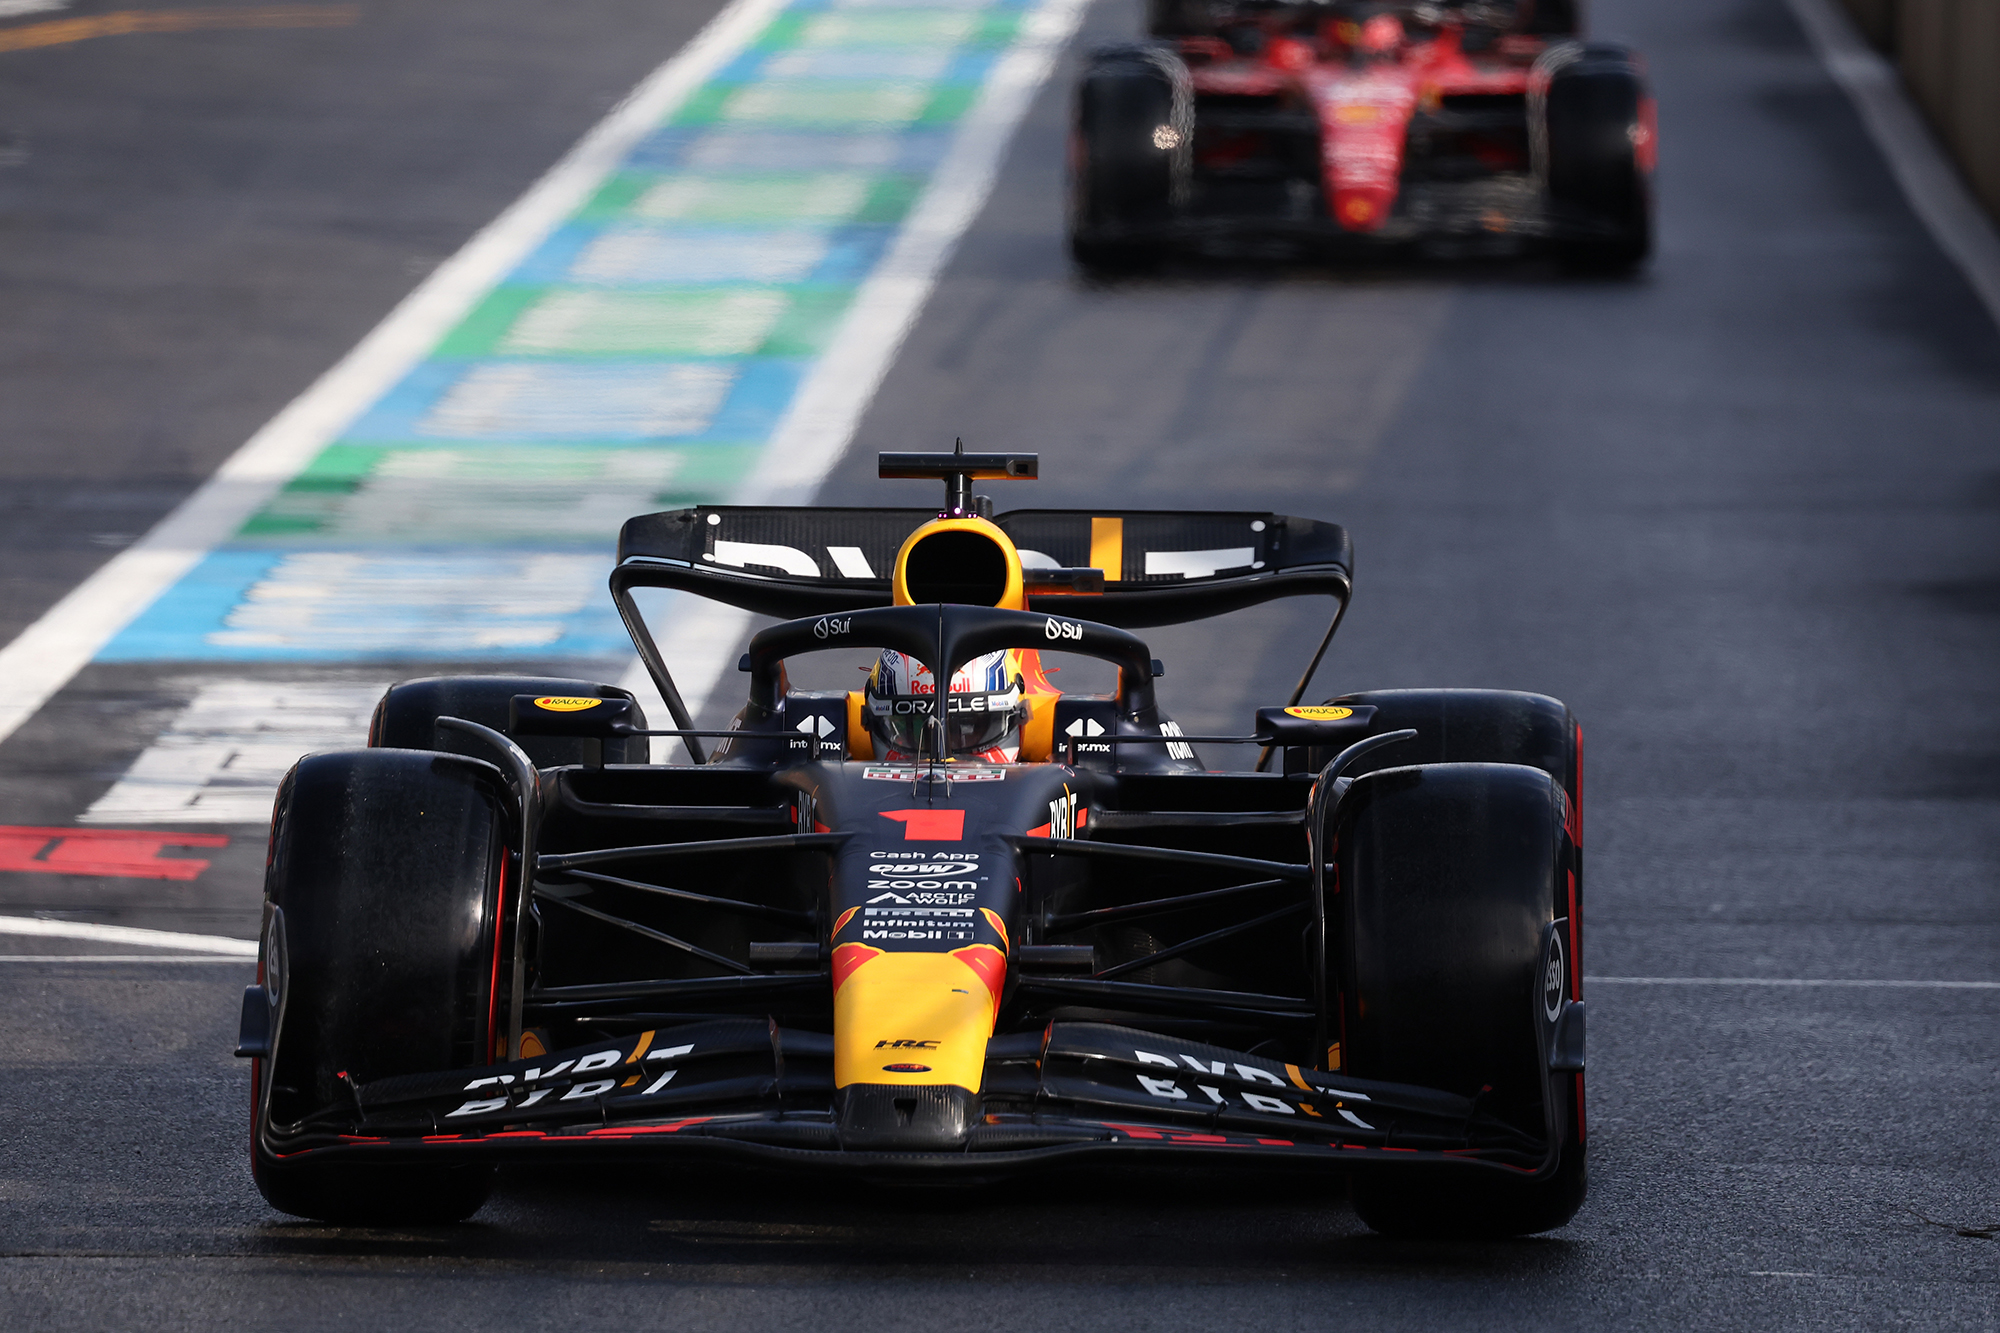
[(1206, 1227)]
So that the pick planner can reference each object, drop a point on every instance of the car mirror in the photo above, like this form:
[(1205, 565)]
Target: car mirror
[(569, 715), (1317, 724)]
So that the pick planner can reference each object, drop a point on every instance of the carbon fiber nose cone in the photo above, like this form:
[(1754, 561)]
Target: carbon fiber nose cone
[(890, 1117)]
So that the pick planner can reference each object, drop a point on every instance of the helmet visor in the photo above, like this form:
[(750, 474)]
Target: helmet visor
[(972, 722)]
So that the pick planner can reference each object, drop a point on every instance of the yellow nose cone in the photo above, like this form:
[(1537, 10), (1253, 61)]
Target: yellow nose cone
[(915, 1018)]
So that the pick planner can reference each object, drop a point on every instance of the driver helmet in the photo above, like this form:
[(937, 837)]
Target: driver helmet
[(1380, 35), (983, 713)]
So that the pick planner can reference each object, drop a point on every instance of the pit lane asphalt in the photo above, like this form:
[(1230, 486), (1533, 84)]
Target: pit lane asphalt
[(1741, 513)]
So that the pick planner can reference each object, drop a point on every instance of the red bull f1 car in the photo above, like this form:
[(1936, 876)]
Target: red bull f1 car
[(1359, 125), (955, 923)]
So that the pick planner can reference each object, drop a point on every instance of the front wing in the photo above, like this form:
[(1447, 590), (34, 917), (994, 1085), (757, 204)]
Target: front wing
[(1506, 209), (750, 1088)]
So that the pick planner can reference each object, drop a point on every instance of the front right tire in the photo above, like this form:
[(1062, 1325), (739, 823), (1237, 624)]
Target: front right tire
[(1447, 877)]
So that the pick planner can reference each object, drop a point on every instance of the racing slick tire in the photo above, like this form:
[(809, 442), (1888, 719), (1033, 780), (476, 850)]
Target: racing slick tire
[(1480, 727), (1488, 727), (1591, 120), (406, 719), (382, 902), (1130, 157), (1448, 945), (1472, 727)]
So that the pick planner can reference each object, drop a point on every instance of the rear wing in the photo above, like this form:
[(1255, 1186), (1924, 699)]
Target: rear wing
[(1160, 568)]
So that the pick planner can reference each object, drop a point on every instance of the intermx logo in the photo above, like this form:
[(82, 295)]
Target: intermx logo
[(817, 734), (1083, 728)]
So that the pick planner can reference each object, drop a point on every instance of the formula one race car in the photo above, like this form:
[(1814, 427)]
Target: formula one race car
[(1359, 124), (955, 922)]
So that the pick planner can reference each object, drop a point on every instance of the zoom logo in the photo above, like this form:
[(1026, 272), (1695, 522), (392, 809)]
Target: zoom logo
[(1063, 629)]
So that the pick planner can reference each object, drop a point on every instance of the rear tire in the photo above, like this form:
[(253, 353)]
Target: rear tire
[(382, 906), (1447, 877), (1131, 145), (406, 719), (1470, 727), (1592, 117)]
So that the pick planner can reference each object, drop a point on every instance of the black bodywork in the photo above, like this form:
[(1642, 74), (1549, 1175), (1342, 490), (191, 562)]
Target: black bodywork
[(1187, 955)]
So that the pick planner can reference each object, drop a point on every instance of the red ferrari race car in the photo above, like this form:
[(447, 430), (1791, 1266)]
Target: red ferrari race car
[(957, 923), (1356, 124)]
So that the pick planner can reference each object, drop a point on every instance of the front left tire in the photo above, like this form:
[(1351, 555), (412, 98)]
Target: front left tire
[(1131, 153), (383, 915), (1593, 132), (406, 718)]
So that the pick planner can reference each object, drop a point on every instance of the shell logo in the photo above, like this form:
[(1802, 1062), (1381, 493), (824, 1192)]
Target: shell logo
[(556, 703), (1320, 713), (1358, 113), (1357, 210)]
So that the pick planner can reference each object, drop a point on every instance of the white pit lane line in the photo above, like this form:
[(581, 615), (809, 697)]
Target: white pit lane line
[(1933, 185), (121, 958), (1805, 982), (815, 430), (49, 653), (221, 759), (211, 947), (807, 441)]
